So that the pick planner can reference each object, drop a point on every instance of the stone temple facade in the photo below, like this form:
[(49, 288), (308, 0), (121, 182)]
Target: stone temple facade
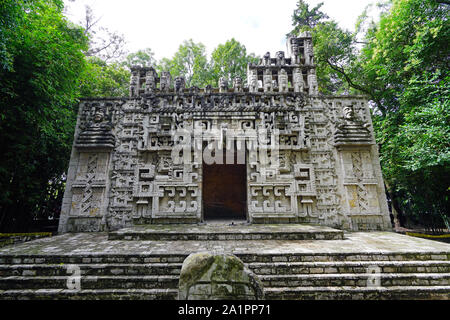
[(273, 150)]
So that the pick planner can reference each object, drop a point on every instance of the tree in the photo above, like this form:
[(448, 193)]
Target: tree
[(142, 58), (335, 56), (304, 19), (101, 79), (229, 60), (189, 61), (103, 43), (406, 63), (334, 47), (11, 17), (38, 95)]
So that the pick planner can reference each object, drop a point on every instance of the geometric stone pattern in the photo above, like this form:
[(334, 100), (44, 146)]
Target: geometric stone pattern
[(324, 168), (206, 276)]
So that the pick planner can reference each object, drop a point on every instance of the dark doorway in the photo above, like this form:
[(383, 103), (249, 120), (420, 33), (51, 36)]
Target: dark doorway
[(224, 191)]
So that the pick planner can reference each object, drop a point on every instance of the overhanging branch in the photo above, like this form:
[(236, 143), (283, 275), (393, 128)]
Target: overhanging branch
[(356, 86)]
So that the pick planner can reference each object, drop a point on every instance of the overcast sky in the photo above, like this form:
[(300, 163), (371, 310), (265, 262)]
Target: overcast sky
[(162, 25)]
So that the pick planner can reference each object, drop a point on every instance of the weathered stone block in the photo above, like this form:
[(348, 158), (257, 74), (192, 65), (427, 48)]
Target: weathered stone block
[(207, 276)]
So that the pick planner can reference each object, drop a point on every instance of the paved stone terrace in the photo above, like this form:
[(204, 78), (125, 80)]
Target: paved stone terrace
[(98, 243), (222, 230)]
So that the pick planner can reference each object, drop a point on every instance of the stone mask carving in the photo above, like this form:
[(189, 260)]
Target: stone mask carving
[(98, 116), (349, 113)]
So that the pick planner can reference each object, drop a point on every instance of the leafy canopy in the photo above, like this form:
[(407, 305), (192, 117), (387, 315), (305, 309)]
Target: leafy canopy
[(39, 87)]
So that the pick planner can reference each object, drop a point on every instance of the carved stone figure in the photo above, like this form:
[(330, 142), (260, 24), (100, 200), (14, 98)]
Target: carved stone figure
[(349, 113), (134, 83), (275, 84), (267, 80), (298, 80), (216, 272), (280, 58), (309, 53), (97, 133), (295, 51), (282, 80), (266, 59), (312, 82), (352, 130), (165, 81), (253, 81), (223, 84), (237, 84), (179, 84), (150, 81)]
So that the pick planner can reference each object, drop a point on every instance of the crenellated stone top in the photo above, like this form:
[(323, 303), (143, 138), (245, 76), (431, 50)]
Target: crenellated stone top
[(280, 74)]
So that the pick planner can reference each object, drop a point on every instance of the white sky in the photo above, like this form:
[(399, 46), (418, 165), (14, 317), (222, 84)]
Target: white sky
[(162, 25)]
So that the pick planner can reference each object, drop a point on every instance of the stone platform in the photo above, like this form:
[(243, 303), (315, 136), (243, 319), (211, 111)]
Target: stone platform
[(221, 230), (405, 267)]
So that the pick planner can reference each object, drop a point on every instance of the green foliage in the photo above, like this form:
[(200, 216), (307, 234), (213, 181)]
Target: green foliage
[(38, 94), (335, 55), (10, 18), (104, 80), (142, 58), (230, 60), (189, 61), (304, 19), (406, 63), (334, 48)]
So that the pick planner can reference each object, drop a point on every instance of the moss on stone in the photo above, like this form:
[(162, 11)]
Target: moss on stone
[(194, 267), (224, 274), (227, 268)]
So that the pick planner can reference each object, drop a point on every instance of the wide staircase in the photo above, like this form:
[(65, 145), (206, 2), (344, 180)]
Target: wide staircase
[(417, 275), (100, 277)]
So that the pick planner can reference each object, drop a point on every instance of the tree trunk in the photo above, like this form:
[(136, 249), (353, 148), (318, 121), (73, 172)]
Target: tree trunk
[(399, 217)]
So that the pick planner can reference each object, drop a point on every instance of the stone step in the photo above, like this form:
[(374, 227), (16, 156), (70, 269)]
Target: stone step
[(297, 293), (356, 280), (91, 269), (91, 282), (343, 256), (86, 258), (286, 268), (222, 231), (97, 294), (359, 293), (280, 268)]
